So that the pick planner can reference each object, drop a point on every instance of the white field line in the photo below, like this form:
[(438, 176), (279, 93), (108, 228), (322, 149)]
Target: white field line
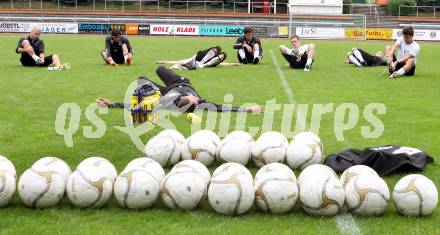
[(283, 81), (347, 225), (345, 222)]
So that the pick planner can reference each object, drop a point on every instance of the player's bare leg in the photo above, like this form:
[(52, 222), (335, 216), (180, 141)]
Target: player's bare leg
[(389, 59), (257, 56), (127, 55), (311, 52), (109, 60), (284, 50), (56, 60), (30, 51)]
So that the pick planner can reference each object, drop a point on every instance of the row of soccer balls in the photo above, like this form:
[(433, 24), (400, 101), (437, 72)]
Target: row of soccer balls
[(231, 190), (170, 146)]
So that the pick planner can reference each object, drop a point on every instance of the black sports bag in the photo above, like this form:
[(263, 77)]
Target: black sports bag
[(384, 160)]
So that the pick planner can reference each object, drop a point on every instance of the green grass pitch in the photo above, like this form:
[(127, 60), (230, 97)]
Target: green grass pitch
[(30, 98)]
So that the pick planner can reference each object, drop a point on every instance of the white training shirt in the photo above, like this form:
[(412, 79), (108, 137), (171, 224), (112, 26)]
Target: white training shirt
[(301, 50), (413, 49)]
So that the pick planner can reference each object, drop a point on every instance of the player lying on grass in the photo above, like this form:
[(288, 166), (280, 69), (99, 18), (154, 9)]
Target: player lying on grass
[(408, 51), (32, 52), (361, 58), (300, 56), (210, 57), (249, 47), (179, 94), (117, 49)]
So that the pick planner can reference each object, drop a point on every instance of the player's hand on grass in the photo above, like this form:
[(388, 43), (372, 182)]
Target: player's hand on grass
[(113, 64), (103, 102), (255, 109)]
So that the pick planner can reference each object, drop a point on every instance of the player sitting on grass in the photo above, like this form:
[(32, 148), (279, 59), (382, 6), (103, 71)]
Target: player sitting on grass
[(361, 58), (249, 47), (179, 94), (408, 51), (210, 57), (117, 49), (32, 53), (300, 56)]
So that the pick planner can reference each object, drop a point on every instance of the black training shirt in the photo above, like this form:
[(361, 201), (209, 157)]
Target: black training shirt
[(37, 45)]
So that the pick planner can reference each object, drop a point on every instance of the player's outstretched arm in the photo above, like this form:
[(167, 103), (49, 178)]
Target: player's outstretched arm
[(255, 109)]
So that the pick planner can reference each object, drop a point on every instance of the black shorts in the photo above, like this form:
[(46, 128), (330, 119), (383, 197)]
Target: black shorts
[(249, 56), (117, 56), (293, 63), (28, 61), (411, 72)]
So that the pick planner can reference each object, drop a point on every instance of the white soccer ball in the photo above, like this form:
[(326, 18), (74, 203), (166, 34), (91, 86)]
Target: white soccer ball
[(367, 195), (415, 195), (89, 187), (275, 192), (231, 192), (41, 188), (173, 134), (313, 170), (354, 171), (200, 149), (242, 135), (234, 150), (301, 154), (136, 188), (194, 166), (98, 162), (7, 186), (233, 167), (322, 195), (8, 166), (164, 150), (309, 138), (207, 134), (149, 165), (183, 190), (53, 164), (269, 148), (275, 167)]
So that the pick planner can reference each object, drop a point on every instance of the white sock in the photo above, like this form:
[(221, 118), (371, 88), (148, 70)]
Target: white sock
[(125, 57), (36, 58), (242, 54), (309, 62), (354, 61), (400, 72), (358, 55), (257, 53), (209, 55), (215, 61)]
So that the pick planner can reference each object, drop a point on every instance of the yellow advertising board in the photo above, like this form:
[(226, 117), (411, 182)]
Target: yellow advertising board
[(358, 33), (283, 31)]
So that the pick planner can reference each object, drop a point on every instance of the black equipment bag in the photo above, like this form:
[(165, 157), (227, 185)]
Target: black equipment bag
[(385, 160)]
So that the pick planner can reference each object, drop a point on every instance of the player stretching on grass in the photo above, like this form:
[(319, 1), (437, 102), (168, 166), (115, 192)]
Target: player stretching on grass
[(408, 51), (210, 57), (117, 49), (361, 58), (32, 51), (249, 47), (179, 94), (300, 56)]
